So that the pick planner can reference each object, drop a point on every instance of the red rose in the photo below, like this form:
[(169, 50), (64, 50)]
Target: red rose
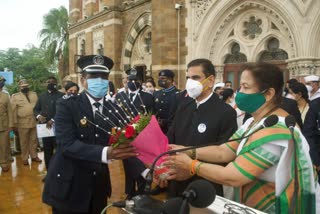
[(112, 140), (129, 132), (136, 119)]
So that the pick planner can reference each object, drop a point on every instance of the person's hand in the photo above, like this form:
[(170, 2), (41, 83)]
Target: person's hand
[(179, 166), (49, 124), (175, 147), (42, 119), (147, 165), (162, 183), (123, 151)]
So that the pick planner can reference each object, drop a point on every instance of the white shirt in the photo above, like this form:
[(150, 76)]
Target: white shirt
[(133, 92), (204, 100), (315, 95)]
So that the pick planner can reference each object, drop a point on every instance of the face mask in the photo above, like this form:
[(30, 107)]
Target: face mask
[(133, 86), (162, 83), (290, 96), (25, 90), (194, 88), (309, 88), (1, 84), (150, 90), (52, 86), (97, 87), (250, 103)]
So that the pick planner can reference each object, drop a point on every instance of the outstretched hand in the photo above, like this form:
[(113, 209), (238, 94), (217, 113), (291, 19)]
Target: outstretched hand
[(123, 151)]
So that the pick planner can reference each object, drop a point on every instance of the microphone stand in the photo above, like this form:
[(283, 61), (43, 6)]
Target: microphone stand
[(296, 183)]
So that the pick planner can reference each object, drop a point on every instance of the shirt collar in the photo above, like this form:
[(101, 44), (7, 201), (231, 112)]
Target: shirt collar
[(92, 101), (204, 100), (133, 92), (169, 89)]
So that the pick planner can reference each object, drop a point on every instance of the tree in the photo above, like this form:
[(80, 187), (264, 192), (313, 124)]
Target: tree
[(27, 64), (55, 39)]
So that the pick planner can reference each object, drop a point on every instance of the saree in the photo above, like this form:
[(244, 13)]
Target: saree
[(267, 159)]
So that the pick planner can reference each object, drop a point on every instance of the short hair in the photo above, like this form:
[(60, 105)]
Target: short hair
[(71, 84), (228, 81), (291, 81), (267, 76), (298, 87), (208, 67), (227, 92)]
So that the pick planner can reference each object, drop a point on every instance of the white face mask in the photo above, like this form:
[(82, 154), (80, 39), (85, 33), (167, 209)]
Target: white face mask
[(194, 88), (309, 88), (290, 96)]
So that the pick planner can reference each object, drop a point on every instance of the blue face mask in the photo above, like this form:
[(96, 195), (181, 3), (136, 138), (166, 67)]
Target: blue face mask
[(98, 87)]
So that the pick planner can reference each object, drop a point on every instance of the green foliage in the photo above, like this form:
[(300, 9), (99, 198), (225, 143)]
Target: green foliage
[(143, 122), (55, 38), (26, 64)]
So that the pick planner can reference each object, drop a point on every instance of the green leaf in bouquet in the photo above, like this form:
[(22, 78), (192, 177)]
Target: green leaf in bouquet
[(143, 122)]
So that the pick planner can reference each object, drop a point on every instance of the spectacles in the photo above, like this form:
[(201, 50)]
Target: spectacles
[(236, 209)]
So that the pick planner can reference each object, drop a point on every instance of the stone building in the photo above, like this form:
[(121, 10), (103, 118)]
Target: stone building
[(158, 34)]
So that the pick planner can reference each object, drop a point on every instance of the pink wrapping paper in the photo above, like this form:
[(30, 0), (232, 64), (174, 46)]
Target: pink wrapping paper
[(151, 142)]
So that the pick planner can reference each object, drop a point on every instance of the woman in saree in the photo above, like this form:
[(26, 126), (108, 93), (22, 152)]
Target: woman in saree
[(261, 167)]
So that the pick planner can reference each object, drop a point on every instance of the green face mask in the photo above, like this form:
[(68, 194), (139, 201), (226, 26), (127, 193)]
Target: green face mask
[(250, 102)]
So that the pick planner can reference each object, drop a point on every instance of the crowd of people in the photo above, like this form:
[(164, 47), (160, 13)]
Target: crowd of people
[(260, 167)]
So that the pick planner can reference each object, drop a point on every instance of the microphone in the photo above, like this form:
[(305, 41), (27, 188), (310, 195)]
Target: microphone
[(172, 206), (200, 193), (141, 204), (290, 123), (268, 122)]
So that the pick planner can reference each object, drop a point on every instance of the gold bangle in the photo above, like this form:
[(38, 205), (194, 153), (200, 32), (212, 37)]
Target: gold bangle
[(198, 167)]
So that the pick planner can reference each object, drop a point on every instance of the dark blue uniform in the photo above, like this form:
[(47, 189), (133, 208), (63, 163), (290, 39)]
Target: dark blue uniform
[(77, 180), (164, 100), (311, 130)]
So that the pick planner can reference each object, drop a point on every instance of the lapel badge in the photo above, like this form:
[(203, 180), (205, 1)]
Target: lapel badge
[(83, 122)]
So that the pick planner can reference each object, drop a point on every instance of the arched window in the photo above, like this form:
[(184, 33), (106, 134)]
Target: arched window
[(83, 47), (100, 49), (273, 51), (236, 56)]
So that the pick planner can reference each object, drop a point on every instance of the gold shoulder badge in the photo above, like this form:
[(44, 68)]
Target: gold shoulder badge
[(83, 122)]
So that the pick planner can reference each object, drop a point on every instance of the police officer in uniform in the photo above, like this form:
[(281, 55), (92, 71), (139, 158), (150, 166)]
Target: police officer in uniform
[(78, 179), (22, 105), (164, 98), (137, 101), (6, 125)]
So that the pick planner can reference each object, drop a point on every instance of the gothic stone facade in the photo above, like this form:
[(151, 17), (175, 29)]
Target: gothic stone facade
[(159, 34)]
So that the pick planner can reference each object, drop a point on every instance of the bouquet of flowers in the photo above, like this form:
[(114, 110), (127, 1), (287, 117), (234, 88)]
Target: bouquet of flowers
[(145, 134)]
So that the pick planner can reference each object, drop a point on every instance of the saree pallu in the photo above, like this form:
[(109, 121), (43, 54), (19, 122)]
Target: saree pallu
[(267, 159)]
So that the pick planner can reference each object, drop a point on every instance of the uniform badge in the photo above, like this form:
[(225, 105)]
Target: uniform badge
[(202, 128), (83, 122), (98, 60), (157, 100)]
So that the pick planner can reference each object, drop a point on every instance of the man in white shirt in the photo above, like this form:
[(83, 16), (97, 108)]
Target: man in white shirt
[(312, 84), (78, 179)]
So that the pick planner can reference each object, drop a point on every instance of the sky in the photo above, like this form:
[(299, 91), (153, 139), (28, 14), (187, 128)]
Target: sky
[(21, 21)]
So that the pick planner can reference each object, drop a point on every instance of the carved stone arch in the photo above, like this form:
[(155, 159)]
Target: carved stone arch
[(139, 25), (262, 45), (226, 49), (224, 15)]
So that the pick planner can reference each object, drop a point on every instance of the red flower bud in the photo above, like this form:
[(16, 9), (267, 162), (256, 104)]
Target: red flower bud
[(129, 132)]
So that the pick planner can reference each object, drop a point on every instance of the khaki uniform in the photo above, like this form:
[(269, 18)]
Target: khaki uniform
[(6, 122), (25, 121)]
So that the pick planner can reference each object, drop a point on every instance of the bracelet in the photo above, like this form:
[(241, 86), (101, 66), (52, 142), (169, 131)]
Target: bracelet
[(198, 167), (193, 163), (193, 154)]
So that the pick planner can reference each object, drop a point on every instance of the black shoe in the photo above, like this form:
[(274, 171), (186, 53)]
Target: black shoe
[(157, 190)]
